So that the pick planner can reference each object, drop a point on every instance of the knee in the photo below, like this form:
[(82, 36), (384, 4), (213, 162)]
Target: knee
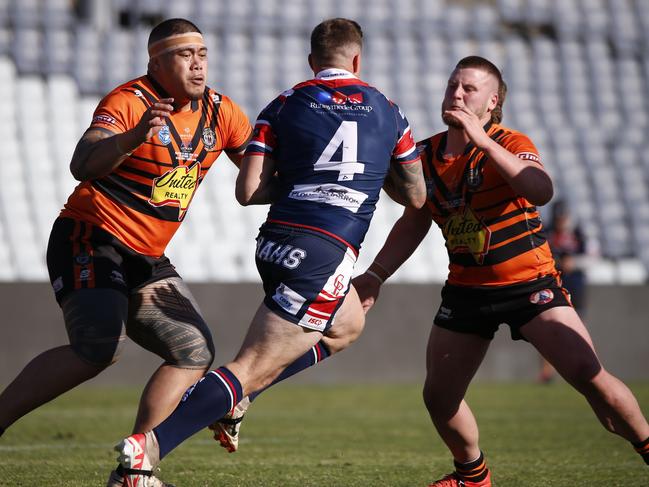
[(94, 320), (586, 376), (440, 399), (198, 353), (98, 355)]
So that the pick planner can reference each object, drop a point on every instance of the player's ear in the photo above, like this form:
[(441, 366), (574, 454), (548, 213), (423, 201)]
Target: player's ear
[(493, 101), (154, 64), (311, 65), (356, 64)]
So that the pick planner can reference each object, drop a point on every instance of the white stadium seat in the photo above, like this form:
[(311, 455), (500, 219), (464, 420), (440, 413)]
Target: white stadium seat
[(580, 95)]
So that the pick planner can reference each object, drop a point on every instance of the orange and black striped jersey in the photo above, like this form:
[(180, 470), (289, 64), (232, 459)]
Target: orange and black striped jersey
[(145, 199), (493, 236)]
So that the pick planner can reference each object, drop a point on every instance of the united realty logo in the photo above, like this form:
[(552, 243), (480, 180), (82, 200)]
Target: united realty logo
[(176, 188)]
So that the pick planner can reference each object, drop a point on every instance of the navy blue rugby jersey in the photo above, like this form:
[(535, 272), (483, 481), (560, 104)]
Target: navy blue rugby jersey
[(333, 139)]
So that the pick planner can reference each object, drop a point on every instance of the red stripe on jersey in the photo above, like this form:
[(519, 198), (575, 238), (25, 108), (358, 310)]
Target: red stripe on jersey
[(405, 145), (263, 133), (331, 83), (315, 229)]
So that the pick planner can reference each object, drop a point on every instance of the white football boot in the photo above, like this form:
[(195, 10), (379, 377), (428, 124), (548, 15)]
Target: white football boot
[(226, 429), (139, 455)]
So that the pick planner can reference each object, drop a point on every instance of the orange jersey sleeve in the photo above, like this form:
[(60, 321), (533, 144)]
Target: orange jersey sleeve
[(144, 200), (236, 128), (493, 236)]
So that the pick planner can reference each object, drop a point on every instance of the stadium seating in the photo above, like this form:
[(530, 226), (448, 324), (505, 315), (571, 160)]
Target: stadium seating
[(577, 70)]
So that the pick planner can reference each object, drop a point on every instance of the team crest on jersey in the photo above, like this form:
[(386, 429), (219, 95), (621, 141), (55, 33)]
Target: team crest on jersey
[(164, 135), (209, 138), (542, 297), (176, 187), (465, 233)]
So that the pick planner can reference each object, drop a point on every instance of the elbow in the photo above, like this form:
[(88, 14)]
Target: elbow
[(417, 198), (78, 173), (243, 196), (543, 195), (416, 201)]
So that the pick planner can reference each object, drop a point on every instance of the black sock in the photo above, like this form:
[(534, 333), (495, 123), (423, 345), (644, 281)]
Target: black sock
[(474, 471), (120, 470), (643, 449), (2, 431)]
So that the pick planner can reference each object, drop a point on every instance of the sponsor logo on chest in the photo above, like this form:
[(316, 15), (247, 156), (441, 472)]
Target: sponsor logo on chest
[(176, 187)]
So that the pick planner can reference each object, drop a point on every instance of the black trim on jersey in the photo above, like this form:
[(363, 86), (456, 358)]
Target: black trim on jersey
[(142, 98), (511, 214), (502, 254), (146, 95), (215, 106), (137, 172), (163, 94), (128, 184), (117, 193), (496, 205), (513, 230), (152, 161), (428, 151), (498, 186)]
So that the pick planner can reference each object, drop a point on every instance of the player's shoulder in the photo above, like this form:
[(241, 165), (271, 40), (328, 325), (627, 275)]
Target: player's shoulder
[(127, 93), (430, 142), (507, 134)]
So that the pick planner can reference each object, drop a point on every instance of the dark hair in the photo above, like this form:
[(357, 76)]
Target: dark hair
[(171, 27), (330, 38), (478, 62)]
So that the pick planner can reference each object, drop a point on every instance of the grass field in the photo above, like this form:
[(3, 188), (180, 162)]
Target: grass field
[(334, 436)]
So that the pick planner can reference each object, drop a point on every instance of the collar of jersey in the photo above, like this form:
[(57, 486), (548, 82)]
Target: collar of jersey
[(334, 73)]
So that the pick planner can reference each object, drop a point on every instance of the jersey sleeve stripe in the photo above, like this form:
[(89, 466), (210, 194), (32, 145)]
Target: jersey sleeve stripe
[(406, 153), (261, 145)]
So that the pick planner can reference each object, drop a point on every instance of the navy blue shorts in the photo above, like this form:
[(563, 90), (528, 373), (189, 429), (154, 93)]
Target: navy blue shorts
[(481, 310), (305, 273)]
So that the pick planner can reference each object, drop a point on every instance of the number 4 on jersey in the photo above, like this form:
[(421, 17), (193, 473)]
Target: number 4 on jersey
[(347, 135)]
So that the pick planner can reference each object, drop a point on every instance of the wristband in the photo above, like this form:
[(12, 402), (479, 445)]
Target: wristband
[(375, 275), (382, 267)]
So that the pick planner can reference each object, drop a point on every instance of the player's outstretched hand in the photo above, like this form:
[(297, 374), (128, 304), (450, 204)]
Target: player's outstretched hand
[(368, 288), (154, 118)]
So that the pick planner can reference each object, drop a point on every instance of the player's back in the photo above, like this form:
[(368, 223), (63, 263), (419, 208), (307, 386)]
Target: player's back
[(333, 139)]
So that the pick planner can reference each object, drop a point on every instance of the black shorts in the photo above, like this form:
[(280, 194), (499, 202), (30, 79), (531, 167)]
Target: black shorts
[(481, 310), (83, 256), (306, 274)]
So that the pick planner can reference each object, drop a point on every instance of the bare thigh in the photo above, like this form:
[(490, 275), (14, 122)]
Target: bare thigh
[(563, 340), (271, 344), (348, 324)]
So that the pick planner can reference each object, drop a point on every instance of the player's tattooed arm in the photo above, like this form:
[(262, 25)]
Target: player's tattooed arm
[(100, 151), (405, 184)]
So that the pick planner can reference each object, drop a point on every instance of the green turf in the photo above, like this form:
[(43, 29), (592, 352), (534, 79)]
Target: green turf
[(334, 436)]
